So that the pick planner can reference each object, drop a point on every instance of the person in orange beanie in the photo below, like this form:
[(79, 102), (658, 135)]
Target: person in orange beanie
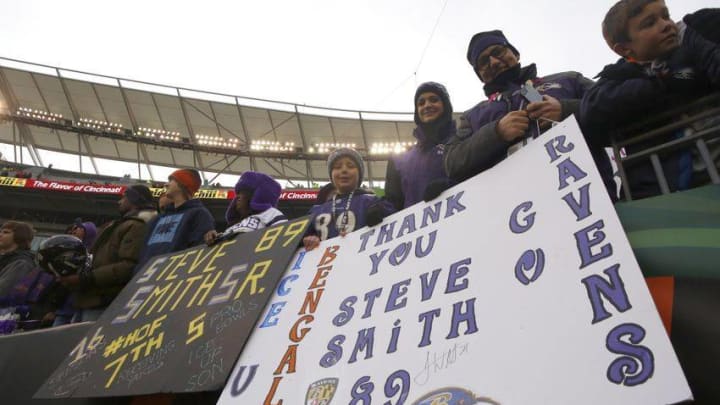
[(184, 222)]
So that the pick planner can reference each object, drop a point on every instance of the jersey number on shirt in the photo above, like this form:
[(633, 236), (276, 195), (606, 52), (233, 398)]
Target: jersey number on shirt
[(322, 223)]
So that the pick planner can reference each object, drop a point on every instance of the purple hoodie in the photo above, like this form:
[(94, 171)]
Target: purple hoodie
[(410, 173), (265, 194), (90, 234)]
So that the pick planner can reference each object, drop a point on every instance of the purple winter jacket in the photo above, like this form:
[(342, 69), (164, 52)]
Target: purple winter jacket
[(409, 173), (477, 147)]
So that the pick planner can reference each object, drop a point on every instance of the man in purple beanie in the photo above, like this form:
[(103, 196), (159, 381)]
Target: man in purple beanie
[(520, 106)]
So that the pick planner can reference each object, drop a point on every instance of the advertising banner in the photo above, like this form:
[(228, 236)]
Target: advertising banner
[(119, 189)]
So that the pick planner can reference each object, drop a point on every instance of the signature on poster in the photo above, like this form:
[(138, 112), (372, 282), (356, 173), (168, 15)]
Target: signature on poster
[(439, 361)]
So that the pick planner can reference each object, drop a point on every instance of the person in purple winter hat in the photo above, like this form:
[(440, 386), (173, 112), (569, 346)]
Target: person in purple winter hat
[(85, 231), (410, 173), (254, 207), (520, 106)]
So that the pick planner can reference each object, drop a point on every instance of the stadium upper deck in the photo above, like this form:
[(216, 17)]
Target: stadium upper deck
[(152, 127)]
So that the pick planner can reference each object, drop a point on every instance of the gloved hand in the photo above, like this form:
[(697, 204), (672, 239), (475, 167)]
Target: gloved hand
[(375, 214), (681, 83), (681, 77), (86, 278), (706, 22), (222, 237), (435, 188)]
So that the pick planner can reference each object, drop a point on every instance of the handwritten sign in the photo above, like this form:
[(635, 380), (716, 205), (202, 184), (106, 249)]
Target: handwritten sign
[(515, 287), (179, 325)]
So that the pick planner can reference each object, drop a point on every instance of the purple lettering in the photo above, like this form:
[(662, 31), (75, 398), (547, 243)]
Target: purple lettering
[(458, 317), (566, 169), (530, 260), (527, 221), (585, 243), (556, 145), (638, 363), (427, 319), (581, 208), (614, 291)]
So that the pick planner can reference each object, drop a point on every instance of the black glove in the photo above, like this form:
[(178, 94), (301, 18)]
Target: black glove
[(680, 84), (683, 85), (223, 237), (375, 214), (706, 22), (435, 188), (682, 77), (87, 278)]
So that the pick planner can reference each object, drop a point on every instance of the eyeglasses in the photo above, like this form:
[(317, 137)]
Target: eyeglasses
[(484, 61)]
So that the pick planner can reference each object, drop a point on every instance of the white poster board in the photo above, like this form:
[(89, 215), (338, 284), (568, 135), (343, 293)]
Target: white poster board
[(515, 287)]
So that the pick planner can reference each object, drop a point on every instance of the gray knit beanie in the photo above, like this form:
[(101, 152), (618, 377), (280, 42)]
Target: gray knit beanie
[(352, 154)]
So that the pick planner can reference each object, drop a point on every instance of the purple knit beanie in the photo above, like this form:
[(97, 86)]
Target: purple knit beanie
[(483, 40)]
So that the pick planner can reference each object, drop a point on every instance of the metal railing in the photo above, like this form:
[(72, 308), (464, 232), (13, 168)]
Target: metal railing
[(703, 109)]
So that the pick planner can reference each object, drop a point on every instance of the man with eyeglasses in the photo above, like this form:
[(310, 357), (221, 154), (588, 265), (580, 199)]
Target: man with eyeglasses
[(514, 112)]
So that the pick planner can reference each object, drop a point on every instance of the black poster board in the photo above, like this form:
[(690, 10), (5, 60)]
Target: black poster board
[(181, 322)]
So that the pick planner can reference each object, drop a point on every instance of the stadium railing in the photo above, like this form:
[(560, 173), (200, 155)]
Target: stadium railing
[(704, 112)]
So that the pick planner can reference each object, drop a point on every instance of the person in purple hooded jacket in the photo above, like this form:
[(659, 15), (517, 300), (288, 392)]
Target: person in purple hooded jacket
[(507, 120), (254, 207), (409, 174), (351, 208), (85, 231)]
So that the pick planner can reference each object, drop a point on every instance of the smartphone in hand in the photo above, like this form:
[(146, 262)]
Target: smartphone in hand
[(530, 93)]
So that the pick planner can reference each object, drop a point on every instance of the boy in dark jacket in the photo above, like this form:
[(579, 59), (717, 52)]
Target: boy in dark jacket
[(183, 224), (351, 208), (662, 67), (409, 173)]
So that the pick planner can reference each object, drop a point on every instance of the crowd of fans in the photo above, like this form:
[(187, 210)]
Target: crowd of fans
[(663, 64), (9, 171)]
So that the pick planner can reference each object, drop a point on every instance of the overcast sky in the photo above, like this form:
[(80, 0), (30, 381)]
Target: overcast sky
[(367, 55), (359, 55)]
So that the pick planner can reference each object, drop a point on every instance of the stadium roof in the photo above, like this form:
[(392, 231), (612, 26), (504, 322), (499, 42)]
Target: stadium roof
[(151, 125)]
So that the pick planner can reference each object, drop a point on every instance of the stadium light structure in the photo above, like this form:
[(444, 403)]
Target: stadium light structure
[(272, 146), (39, 115), (107, 128), (389, 148), (216, 141), (99, 125), (159, 134), (328, 147)]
